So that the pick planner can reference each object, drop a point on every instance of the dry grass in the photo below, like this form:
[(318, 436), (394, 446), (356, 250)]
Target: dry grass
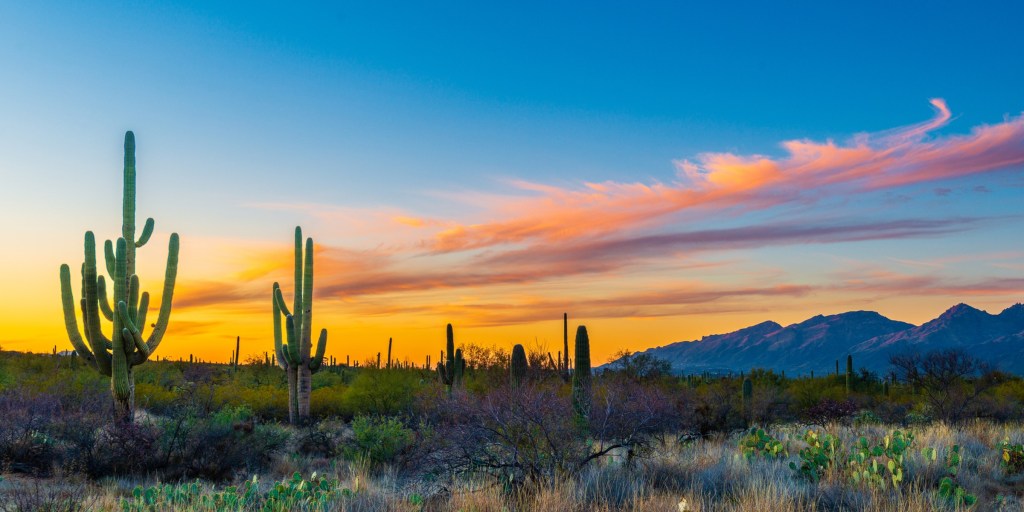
[(710, 474)]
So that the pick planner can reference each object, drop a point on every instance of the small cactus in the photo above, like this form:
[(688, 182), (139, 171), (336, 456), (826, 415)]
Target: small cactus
[(451, 369), (581, 377), (517, 367), (849, 374)]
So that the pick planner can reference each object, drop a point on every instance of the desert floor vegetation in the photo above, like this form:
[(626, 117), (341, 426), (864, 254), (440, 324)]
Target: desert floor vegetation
[(217, 437)]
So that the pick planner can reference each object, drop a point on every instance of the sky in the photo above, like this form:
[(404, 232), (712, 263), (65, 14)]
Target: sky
[(658, 171)]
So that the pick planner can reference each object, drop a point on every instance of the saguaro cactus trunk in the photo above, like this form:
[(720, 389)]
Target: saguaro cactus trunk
[(452, 366), (517, 366), (294, 355), (581, 378), (126, 347)]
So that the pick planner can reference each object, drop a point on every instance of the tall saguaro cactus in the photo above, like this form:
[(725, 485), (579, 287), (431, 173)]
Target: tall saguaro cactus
[(748, 397), (295, 355), (126, 347), (517, 366), (451, 369), (849, 373), (581, 377)]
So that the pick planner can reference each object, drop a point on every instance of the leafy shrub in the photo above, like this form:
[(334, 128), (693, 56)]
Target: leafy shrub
[(829, 411), (866, 417), (381, 392), (758, 443), (379, 439)]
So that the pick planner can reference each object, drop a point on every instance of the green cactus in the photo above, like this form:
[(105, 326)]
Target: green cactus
[(849, 373), (517, 367), (581, 377), (452, 368), (294, 355), (126, 347), (748, 395)]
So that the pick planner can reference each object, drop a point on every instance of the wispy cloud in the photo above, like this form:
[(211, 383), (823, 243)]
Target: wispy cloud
[(809, 172)]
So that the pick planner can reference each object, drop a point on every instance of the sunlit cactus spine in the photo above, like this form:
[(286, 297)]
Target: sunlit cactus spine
[(126, 347), (451, 369), (294, 354), (581, 378), (517, 367)]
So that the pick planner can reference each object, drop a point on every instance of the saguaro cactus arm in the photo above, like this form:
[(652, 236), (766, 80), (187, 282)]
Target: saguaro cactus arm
[(164, 316), (279, 346), (147, 231), (321, 346), (70, 319)]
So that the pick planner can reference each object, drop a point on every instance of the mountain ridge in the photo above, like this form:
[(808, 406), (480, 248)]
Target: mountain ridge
[(871, 338)]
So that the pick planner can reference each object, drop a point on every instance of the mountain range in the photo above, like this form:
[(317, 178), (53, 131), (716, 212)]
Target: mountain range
[(818, 342)]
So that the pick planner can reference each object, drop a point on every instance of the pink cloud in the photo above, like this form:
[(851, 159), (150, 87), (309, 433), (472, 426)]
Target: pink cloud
[(809, 171)]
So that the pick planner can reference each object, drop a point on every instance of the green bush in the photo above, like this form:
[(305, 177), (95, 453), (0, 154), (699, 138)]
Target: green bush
[(378, 439), (382, 392)]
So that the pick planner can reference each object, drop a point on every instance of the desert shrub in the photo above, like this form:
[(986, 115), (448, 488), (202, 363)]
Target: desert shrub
[(329, 401), (62, 496), (26, 445), (528, 437), (381, 392), (866, 417), (829, 411), (219, 446), (124, 449), (318, 440), (378, 440), (716, 408)]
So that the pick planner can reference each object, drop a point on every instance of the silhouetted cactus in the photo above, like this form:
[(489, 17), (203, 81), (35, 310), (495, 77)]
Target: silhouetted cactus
[(452, 368), (849, 373), (294, 355), (389, 353), (581, 378), (115, 356), (517, 367)]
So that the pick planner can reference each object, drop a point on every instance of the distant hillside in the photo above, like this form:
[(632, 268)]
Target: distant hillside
[(816, 343)]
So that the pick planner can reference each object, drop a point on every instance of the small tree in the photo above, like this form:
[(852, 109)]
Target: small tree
[(948, 380)]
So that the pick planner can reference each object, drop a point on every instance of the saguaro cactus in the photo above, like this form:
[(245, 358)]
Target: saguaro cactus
[(452, 368), (389, 353), (294, 355), (517, 366), (581, 377), (748, 396), (849, 373), (115, 356)]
